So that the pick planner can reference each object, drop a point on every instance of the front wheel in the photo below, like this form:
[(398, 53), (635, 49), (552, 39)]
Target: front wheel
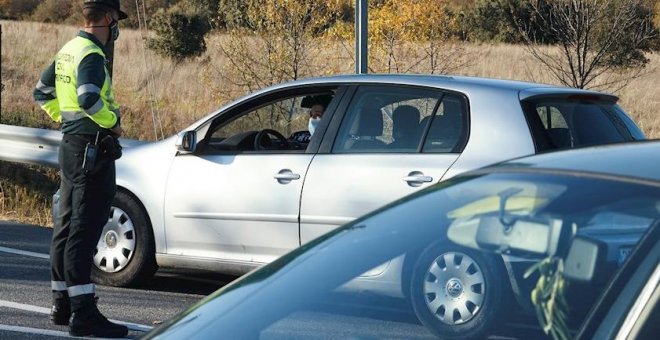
[(457, 292), (125, 252)]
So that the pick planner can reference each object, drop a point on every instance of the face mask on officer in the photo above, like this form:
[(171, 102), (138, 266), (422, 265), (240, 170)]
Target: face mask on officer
[(114, 30)]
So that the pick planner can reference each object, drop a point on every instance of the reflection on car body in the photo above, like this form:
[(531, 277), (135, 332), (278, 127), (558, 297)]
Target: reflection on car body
[(569, 207)]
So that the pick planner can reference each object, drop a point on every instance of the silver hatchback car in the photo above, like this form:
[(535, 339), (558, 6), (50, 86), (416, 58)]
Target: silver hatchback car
[(250, 182)]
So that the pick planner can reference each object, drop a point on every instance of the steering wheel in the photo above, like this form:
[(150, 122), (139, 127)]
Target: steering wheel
[(260, 143)]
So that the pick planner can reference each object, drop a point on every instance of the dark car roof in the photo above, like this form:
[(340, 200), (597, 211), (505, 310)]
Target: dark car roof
[(638, 159)]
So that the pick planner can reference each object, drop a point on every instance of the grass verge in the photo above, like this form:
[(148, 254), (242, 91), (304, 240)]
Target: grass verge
[(26, 193)]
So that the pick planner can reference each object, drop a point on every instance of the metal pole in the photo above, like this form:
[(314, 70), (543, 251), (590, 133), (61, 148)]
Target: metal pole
[(361, 36)]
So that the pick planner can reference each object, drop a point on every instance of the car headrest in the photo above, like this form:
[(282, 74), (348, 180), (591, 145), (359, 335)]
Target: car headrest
[(370, 122), (405, 121)]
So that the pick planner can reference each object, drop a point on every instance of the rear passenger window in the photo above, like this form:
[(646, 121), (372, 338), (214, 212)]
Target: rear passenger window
[(561, 123), (448, 127), (386, 119)]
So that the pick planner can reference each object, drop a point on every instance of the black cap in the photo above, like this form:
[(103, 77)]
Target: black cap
[(114, 4)]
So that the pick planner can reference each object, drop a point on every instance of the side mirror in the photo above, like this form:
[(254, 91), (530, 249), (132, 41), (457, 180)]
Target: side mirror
[(187, 142)]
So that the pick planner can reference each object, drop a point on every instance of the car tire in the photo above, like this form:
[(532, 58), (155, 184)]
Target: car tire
[(125, 253), (463, 278)]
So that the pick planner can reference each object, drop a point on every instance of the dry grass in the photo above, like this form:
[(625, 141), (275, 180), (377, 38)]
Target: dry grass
[(147, 86), (26, 193), (181, 93)]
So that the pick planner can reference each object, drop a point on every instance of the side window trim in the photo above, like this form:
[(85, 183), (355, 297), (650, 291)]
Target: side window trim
[(325, 126), (335, 122), (427, 128)]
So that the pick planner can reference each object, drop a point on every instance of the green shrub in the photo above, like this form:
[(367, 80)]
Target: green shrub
[(55, 11), (17, 9), (179, 34), (499, 21)]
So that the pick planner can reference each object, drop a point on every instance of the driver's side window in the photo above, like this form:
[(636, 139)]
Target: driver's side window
[(279, 126)]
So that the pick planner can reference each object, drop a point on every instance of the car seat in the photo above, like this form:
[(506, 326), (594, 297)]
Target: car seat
[(405, 120), (369, 126), (446, 130)]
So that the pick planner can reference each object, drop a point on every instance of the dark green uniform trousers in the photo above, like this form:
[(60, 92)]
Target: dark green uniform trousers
[(84, 207)]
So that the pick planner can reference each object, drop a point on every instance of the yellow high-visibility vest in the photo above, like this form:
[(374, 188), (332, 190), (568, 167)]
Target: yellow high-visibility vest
[(68, 59)]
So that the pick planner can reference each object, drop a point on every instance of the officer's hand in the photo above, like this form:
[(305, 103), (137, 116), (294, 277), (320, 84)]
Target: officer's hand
[(117, 131)]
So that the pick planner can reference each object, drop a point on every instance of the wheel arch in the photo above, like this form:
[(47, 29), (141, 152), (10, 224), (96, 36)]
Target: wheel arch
[(144, 210)]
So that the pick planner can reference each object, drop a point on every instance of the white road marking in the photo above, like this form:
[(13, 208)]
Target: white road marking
[(16, 305), (42, 310), (39, 331), (24, 252)]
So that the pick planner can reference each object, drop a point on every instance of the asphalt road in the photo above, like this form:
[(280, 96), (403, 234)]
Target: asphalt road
[(25, 296)]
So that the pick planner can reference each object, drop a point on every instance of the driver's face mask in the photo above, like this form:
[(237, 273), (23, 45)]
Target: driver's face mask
[(313, 123)]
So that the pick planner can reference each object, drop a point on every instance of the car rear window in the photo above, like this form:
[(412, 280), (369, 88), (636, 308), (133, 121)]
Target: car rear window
[(562, 123)]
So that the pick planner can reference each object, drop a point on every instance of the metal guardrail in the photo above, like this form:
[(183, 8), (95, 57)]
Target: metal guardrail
[(29, 145), (35, 146)]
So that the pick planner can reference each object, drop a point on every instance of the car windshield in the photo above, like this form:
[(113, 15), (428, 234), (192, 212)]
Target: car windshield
[(460, 259)]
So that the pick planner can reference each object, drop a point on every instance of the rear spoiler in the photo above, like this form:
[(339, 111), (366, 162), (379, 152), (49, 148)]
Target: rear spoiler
[(566, 93)]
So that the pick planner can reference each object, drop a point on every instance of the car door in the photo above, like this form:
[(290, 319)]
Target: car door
[(388, 142), (237, 197)]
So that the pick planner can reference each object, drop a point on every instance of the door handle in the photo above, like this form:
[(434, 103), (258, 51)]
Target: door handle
[(286, 176), (417, 178)]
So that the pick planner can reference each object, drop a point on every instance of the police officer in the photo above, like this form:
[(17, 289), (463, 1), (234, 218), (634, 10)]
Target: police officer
[(76, 90)]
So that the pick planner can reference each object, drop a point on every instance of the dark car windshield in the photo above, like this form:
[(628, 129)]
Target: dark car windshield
[(577, 121), (396, 274)]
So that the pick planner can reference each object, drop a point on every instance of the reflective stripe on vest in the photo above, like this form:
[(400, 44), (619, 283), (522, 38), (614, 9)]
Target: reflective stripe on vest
[(66, 71)]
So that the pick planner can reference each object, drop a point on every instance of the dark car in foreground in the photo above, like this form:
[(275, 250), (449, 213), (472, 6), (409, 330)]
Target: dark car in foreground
[(566, 220)]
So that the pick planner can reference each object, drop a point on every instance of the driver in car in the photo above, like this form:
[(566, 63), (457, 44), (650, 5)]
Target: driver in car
[(315, 114)]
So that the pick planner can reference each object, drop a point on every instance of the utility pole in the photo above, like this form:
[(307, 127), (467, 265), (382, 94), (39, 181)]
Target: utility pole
[(361, 36)]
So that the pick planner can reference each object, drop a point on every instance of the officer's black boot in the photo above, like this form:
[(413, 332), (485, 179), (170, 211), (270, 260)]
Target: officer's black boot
[(61, 311), (87, 320)]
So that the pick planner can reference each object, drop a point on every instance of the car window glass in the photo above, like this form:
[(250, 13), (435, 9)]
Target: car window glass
[(383, 119), (630, 124), (447, 132), (290, 118), (566, 123), (551, 117)]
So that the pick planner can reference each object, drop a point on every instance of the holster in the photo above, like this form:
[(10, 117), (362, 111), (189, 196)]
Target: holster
[(108, 150)]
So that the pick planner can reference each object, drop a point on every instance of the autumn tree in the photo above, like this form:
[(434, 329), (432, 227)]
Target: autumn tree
[(409, 36), (602, 43), (272, 41)]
